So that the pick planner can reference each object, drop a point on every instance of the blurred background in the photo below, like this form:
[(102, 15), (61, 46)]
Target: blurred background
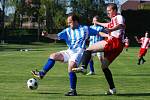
[(21, 21)]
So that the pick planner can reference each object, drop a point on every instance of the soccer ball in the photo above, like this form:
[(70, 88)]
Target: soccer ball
[(32, 83)]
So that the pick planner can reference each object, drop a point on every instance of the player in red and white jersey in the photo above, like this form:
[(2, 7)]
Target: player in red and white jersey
[(111, 47), (145, 41), (117, 21), (126, 43)]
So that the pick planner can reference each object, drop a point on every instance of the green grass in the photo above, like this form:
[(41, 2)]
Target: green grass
[(131, 80)]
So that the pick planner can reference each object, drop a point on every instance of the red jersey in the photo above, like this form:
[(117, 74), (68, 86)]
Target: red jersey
[(116, 20), (145, 42)]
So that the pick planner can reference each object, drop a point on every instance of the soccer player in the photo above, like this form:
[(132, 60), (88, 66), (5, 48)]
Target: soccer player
[(145, 41), (111, 47), (94, 39), (75, 37), (126, 43)]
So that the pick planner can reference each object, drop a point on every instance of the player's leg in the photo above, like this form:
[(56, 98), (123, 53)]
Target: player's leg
[(144, 53), (100, 56), (72, 79), (91, 64), (111, 52), (58, 56), (139, 60), (99, 46), (126, 47), (108, 76), (73, 61), (143, 60)]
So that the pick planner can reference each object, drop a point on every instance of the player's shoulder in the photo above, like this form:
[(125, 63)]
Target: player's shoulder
[(96, 26), (66, 29), (84, 26), (119, 16)]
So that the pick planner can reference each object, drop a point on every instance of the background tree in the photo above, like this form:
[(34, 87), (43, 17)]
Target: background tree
[(89, 8), (54, 13)]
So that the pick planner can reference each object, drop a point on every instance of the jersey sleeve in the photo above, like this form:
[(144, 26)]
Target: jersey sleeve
[(62, 35), (93, 32), (120, 19)]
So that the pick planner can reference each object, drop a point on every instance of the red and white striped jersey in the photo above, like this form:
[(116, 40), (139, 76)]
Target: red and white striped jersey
[(116, 20), (145, 42), (126, 41)]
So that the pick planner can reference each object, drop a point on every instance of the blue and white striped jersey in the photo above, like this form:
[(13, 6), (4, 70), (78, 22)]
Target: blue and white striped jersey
[(96, 38), (76, 38)]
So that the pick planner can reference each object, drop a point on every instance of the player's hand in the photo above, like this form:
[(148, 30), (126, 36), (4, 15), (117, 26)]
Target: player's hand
[(44, 33)]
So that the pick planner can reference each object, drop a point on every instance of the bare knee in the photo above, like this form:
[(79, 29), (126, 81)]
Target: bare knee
[(53, 56), (71, 65)]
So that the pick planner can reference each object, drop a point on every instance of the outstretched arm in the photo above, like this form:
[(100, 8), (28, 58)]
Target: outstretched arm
[(117, 27), (137, 39), (51, 36), (102, 24), (105, 35)]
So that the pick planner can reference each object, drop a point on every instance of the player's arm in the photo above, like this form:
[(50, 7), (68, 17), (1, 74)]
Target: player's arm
[(137, 39), (105, 35), (117, 27), (102, 24), (120, 24), (51, 36)]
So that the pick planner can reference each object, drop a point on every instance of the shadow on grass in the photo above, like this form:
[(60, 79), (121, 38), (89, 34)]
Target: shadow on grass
[(139, 74), (92, 95), (47, 93), (133, 94), (121, 94), (19, 49)]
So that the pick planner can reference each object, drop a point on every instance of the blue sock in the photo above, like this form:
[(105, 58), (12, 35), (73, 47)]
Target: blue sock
[(91, 66), (73, 80), (50, 63)]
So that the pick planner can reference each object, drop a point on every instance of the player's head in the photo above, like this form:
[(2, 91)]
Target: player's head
[(73, 21), (146, 34), (95, 18), (126, 37), (112, 10)]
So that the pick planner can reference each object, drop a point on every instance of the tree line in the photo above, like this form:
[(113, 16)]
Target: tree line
[(52, 12)]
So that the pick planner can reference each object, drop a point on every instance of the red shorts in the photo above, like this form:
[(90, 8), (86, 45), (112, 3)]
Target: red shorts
[(126, 45), (113, 48), (142, 52)]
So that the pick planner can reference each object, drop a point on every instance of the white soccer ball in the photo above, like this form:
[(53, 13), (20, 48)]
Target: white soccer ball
[(32, 83)]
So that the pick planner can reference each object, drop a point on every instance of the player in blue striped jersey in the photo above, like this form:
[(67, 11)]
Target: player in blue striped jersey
[(94, 39), (75, 37)]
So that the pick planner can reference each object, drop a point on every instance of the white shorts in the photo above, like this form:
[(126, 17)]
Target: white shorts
[(72, 55)]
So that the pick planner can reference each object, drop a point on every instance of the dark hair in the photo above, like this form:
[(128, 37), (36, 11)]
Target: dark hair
[(113, 5), (146, 31), (96, 16), (74, 17)]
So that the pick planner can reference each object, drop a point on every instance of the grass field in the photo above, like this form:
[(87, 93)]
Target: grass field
[(132, 81)]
